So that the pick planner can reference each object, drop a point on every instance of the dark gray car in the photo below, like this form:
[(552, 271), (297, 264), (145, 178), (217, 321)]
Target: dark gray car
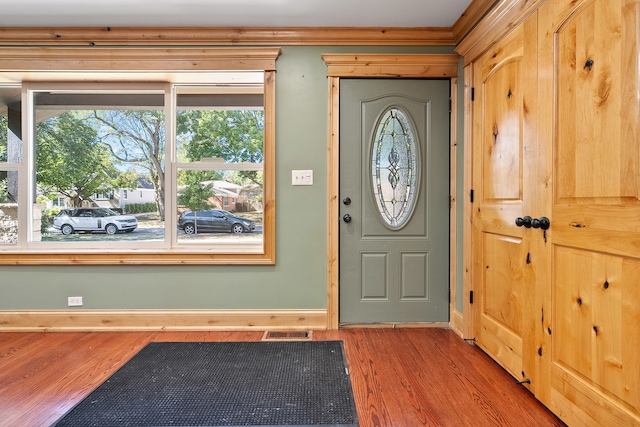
[(214, 220)]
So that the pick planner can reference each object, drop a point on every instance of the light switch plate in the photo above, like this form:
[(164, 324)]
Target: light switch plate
[(302, 177)]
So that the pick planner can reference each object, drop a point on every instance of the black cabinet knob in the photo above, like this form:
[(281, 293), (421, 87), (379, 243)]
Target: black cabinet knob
[(346, 218), (544, 223), (526, 221), (346, 201)]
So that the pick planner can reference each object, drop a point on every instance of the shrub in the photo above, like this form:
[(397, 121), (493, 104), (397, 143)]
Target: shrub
[(135, 208), (47, 218)]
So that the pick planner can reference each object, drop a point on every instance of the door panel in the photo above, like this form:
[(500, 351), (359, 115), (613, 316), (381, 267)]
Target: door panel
[(593, 135), (504, 168), (394, 138)]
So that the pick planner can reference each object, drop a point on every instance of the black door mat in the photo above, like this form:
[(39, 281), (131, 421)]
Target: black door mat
[(215, 384)]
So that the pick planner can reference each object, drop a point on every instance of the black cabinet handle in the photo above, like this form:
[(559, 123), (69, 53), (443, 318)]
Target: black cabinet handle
[(542, 223), (346, 218), (526, 221)]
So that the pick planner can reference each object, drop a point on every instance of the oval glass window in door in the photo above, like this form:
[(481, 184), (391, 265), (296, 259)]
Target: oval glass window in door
[(395, 167)]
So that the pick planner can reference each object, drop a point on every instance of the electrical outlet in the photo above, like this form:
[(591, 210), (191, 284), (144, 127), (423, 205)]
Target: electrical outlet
[(302, 177), (74, 301)]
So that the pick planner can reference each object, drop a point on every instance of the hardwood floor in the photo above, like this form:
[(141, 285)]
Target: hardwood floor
[(400, 377)]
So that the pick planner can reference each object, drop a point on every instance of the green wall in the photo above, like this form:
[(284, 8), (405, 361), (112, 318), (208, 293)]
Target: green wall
[(298, 280)]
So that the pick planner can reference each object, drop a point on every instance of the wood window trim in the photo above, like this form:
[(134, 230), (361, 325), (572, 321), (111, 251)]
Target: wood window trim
[(428, 66), (33, 63)]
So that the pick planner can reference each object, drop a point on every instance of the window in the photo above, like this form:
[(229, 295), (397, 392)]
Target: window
[(187, 143)]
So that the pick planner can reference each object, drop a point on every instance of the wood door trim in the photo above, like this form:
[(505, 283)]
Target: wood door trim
[(366, 65)]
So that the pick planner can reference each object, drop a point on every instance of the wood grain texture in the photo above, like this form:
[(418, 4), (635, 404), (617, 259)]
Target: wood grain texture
[(400, 377), (159, 320), (237, 36)]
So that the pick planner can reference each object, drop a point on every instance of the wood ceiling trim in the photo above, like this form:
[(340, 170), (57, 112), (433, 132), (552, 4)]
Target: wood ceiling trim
[(122, 36), (470, 17), (501, 19)]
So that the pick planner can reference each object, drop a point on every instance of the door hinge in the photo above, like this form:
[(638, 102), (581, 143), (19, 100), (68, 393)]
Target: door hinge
[(471, 196), (473, 93), (470, 297)]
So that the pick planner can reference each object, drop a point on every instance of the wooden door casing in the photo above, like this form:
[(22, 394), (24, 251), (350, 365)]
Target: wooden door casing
[(504, 164), (589, 86)]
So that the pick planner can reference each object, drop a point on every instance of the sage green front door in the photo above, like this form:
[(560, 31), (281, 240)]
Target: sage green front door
[(394, 200)]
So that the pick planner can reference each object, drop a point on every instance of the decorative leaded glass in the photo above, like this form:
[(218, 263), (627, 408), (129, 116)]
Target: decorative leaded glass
[(394, 167)]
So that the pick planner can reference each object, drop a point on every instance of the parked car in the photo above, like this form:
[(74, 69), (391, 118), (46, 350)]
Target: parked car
[(69, 221), (214, 220)]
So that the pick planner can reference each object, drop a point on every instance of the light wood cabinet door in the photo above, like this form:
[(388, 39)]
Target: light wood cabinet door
[(504, 167), (590, 174)]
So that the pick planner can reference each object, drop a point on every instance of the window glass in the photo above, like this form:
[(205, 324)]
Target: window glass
[(8, 208), (394, 167), (90, 144), (220, 153), (10, 154)]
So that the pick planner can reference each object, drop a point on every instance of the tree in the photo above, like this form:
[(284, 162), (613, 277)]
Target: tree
[(70, 159), (196, 188), (233, 135), (137, 137)]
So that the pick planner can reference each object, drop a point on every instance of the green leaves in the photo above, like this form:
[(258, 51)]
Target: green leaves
[(70, 158), (233, 135)]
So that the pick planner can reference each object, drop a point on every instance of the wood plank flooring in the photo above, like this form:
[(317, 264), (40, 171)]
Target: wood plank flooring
[(400, 377)]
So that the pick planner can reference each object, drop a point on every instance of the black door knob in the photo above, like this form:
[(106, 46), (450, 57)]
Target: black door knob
[(346, 201), (526, 221), (346, 218), (543, 223)]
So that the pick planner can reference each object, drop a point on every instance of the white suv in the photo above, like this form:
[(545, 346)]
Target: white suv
[(69, 221)]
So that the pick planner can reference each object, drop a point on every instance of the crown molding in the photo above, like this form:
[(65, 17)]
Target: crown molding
[(471, 17), (498, 22), (122, 36)]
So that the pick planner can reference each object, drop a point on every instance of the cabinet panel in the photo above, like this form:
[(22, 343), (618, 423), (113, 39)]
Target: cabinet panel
[(504, 161), (588, 63), (556, 133)]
